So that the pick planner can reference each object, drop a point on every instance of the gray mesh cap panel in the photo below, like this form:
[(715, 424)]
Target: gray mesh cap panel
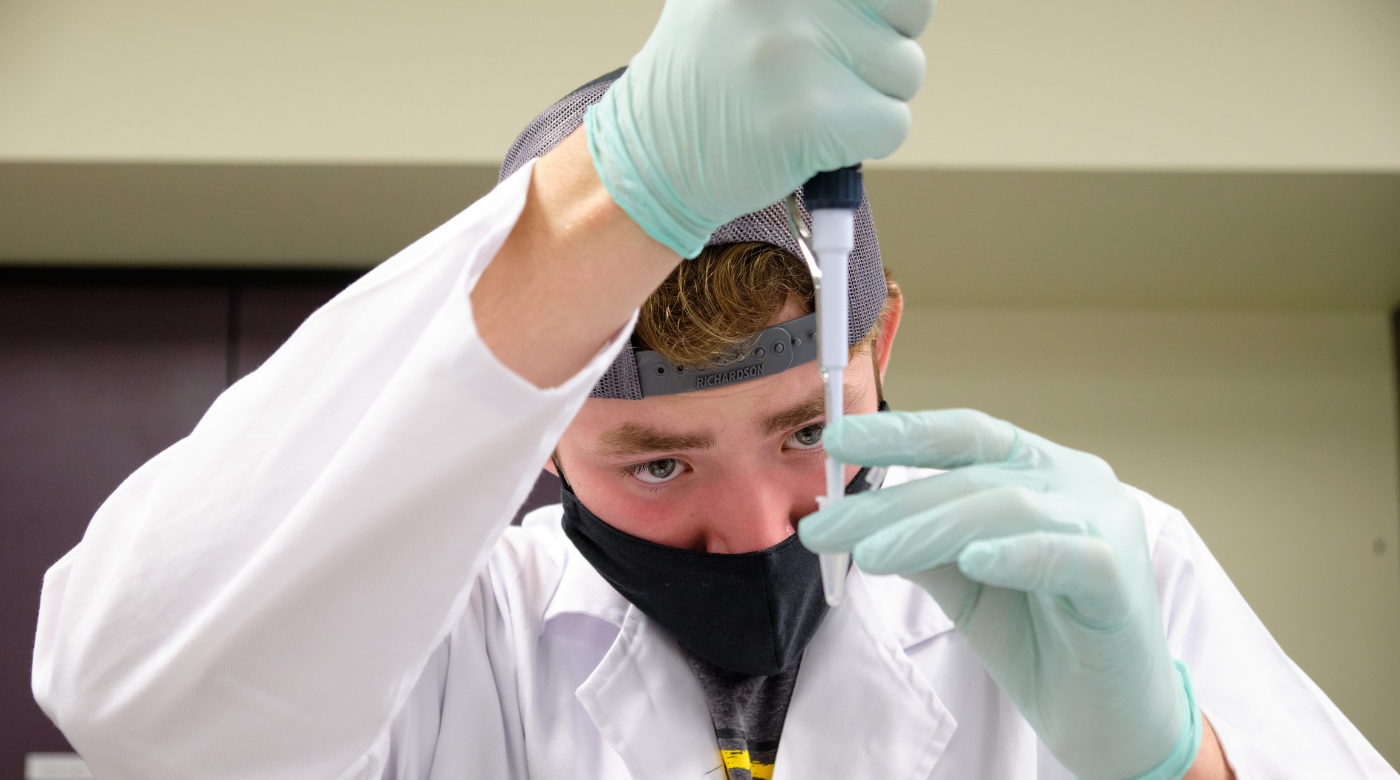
[(769, 225)]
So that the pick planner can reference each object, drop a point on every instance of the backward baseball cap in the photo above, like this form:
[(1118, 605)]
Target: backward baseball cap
[(623, 378)]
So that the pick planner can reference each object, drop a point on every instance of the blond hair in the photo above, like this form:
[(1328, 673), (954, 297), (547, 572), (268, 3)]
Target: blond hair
[(710, 308)]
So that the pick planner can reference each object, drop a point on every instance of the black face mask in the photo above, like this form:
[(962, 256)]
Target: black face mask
[(750, 613)]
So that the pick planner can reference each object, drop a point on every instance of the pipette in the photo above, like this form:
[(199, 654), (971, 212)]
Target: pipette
[(832, 198)]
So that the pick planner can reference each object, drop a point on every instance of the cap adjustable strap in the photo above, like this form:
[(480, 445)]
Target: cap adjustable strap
[(775, 350)]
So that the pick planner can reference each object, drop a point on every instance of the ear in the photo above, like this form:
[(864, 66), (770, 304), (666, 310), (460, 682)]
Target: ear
[(889, 326)]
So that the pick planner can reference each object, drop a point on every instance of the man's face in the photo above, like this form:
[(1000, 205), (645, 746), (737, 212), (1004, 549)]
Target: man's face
[(727, 470)]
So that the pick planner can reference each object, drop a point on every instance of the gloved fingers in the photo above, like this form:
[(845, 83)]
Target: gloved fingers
[(839, 528), (884, 58), (853, 121), (937, 536), (939, 439), (1080, 568), (955, 593), (816, 92), (909, 17)]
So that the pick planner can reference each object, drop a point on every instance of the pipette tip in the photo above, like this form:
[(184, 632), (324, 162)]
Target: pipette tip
[(834, 568)]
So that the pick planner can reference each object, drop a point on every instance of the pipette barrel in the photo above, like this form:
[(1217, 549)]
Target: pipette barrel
[(832, 199)]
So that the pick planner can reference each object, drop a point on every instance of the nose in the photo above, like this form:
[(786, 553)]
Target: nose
[(756, 509)]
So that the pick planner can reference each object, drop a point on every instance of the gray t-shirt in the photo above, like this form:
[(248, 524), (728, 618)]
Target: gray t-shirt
[(748, 714)]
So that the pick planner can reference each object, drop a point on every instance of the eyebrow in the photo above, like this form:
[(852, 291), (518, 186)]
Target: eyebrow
[(813, 406), (633, 439)]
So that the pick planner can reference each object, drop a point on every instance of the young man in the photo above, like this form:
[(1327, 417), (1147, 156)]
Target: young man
[(317, 583)]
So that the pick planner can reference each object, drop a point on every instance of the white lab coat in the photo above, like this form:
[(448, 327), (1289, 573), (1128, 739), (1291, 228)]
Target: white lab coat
[(315, 584)]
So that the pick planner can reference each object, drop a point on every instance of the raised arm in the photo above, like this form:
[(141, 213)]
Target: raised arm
[(575, 261), (257, 600)]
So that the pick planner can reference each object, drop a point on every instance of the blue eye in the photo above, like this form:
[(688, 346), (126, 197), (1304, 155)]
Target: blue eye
[(807, 438), (655, 472)]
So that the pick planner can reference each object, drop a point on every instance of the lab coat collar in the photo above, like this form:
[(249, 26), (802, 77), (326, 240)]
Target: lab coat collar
[(581, 589), (864, 710), (859, 703), (647, 703)]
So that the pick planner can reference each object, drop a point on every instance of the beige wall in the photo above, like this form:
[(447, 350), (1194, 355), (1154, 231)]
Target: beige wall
[(1249, 84), (1274, 432)]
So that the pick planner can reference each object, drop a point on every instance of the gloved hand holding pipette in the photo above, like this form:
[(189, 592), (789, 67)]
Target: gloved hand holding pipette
[(1039, 555), (708, 124)]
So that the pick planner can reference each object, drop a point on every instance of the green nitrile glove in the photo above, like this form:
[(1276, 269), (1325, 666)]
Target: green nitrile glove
[(1039, 554), (730, 106)]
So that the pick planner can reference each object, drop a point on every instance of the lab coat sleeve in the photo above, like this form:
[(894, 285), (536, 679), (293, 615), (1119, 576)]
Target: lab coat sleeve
[(1272, 720), (258, 600)]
